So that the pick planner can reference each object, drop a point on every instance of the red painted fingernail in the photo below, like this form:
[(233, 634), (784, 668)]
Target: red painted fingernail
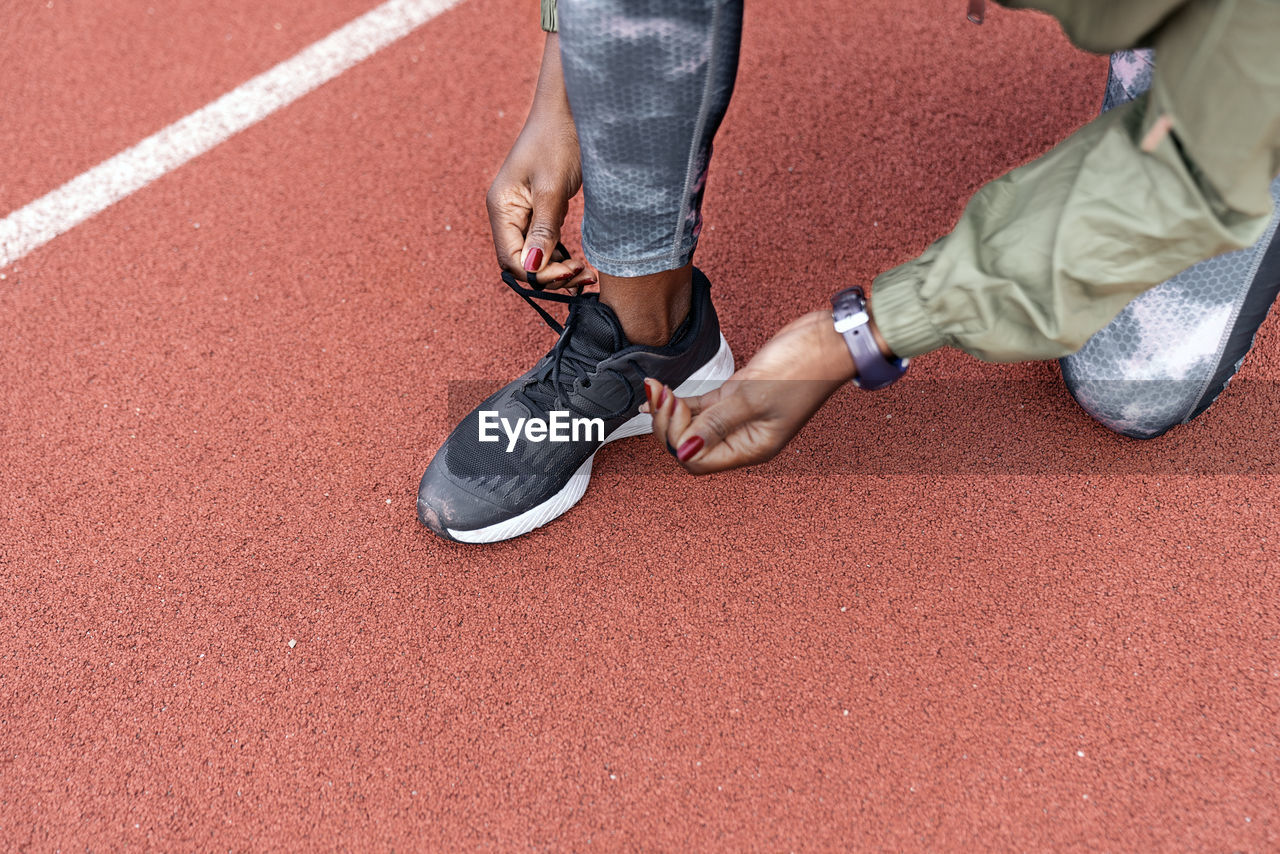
[(566, 277), (662, 397), (688, 448), (586, 282), (648, 393), (533, 261)]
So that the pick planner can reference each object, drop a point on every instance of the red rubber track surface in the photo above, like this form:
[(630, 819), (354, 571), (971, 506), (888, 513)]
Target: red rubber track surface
[(954, 616)]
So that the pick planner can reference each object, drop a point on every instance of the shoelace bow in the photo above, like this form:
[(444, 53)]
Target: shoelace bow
[(562, 355)]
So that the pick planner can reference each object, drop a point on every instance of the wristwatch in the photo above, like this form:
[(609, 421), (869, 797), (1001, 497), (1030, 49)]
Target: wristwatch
[(849, 308)]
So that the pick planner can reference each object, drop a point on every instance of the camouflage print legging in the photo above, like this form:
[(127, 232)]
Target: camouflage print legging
[(1168, 355), (649, 82)]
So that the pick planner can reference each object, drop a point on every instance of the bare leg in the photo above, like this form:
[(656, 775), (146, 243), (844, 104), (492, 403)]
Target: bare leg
[(649, 307)]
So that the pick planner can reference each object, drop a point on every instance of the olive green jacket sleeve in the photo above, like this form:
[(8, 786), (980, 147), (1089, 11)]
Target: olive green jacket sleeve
[(550, 22), (1048, 254)]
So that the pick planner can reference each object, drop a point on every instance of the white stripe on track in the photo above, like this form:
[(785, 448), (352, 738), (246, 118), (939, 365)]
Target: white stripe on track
[(37, 223)]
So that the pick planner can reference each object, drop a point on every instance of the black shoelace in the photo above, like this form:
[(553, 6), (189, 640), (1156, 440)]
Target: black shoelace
[(549, 385)]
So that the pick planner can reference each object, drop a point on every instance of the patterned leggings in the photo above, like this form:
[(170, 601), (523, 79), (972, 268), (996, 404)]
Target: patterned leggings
[(649, 82)]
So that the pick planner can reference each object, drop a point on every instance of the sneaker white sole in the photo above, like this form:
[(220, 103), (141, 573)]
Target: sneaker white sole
[(710, 376)]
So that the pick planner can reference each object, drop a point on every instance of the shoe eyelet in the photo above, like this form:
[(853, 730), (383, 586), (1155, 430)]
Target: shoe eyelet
[(586, 382)]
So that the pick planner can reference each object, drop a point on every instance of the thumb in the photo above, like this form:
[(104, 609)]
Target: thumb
[(549, 209)]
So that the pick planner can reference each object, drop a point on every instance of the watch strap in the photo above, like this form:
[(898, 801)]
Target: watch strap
[(849, 310)]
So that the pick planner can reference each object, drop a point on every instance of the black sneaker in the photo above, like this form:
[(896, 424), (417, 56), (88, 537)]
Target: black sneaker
[(586, 392)]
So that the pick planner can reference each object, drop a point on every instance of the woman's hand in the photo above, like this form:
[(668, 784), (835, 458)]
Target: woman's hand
[(751, 417), (528, 200)]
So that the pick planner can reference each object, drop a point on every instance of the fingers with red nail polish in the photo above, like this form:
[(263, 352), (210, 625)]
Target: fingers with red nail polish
[(587, 275), (660, 399), (533, 260), (688, 448), (672, 418), (678, 426)]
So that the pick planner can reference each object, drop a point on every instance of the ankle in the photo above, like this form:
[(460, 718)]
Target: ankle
[(652, 329), (650, 308)]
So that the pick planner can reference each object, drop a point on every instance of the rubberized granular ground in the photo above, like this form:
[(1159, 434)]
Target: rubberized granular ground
[(957, 615)]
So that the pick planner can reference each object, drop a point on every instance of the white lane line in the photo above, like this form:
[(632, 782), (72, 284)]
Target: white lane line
[(86, 195)]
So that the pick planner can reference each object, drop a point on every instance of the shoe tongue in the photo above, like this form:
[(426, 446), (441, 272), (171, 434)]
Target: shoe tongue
[(596, 331)]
